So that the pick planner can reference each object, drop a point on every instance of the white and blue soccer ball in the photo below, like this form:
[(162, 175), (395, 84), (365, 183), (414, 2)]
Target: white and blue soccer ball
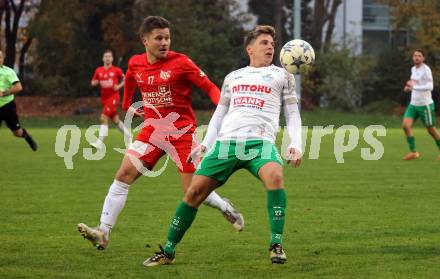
[(297, 56)]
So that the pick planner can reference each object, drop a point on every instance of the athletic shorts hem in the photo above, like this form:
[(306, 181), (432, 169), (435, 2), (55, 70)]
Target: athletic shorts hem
[(211, 176), (262, 165)]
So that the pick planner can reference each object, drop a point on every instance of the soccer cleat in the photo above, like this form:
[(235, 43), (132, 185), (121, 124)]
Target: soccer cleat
[(438, 158), (277, 254), (159, 258), (233, 216), (411, 156), (94, 235)]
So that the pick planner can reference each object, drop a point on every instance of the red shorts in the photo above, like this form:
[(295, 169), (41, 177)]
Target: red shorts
[(178, 149), (110, 106)]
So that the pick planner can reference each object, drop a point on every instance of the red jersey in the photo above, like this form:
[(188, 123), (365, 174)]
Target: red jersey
[(107, 79), (166, 85)]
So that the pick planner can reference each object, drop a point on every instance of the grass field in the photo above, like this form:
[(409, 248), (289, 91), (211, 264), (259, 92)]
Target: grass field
[(360, 219)]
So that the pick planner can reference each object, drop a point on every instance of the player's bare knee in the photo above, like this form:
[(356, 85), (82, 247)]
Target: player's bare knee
[(276, 179), (193, 192), (196, 194), (103, 119), (190, 198), (431, 130), (116, 120), (126, 175), (18, 133)]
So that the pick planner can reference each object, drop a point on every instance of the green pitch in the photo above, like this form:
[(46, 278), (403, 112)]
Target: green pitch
[(360, 219)]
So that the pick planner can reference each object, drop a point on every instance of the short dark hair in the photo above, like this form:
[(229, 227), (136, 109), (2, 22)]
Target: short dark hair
[(107, 50), (419, 50), (258, 30), (152, 22)]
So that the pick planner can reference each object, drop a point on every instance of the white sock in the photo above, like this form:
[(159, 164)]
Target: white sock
[(113, 205), (103, 132), (214, 200), (123, 129)]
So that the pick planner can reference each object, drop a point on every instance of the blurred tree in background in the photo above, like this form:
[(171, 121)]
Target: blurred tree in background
[(71, 38), (73, 34), (422, 19), (344, 78), (63, 42), (15, 16)]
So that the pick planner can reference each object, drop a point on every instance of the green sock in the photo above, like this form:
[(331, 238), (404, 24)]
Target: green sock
[(438, 143), (276, 207), (412, 143), (185, 215)]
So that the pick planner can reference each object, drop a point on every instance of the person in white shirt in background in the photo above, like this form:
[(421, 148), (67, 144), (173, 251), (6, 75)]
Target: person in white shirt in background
[(421, 105)]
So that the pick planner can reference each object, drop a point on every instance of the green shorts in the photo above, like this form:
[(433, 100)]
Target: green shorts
[(226, 157), (426, 114)]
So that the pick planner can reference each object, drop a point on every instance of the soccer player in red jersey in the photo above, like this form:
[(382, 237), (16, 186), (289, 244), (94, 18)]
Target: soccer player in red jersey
[(164, 78), (110, 79)]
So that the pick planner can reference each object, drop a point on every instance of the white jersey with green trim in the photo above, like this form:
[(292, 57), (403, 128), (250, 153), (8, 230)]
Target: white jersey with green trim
[(423, 85), (255, 98)]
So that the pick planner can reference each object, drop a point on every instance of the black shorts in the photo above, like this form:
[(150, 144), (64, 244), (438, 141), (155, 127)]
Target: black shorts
[(8, 113)]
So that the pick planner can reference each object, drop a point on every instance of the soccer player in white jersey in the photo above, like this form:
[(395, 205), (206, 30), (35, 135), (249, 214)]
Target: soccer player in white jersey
[(241, 134), (420, 85)]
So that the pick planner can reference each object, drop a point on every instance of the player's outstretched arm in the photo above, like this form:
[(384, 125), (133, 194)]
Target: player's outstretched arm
[(213, 128), (117, 87), (95, 81), (121, 77), (15, 88), (216, 122), (211, 90), (199, 79), (293, 123), (129, 89)]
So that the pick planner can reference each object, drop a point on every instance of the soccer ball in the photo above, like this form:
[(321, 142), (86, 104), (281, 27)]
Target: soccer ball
[(296, 56)]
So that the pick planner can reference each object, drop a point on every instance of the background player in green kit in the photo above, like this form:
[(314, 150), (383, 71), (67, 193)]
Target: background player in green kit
[(421, 105), (9, 86), (243, 128)]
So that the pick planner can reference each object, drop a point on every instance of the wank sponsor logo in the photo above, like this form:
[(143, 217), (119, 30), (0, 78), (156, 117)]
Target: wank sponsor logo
[(248, 102), (251, 88)]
